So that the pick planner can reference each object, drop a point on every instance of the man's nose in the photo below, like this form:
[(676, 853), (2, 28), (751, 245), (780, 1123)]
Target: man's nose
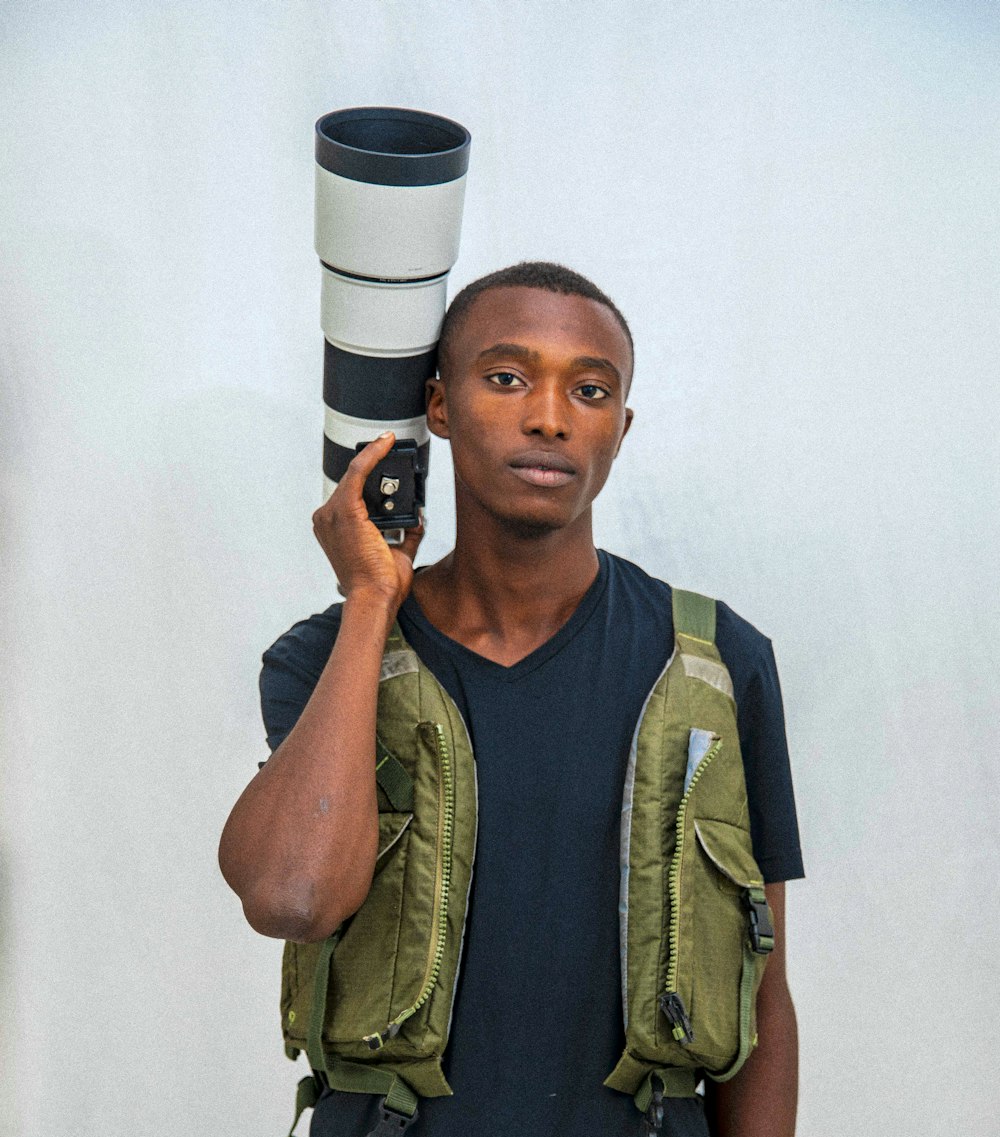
[(545, 412)]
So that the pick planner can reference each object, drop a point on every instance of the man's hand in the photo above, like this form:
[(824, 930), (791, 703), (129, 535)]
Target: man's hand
[(365, 565)]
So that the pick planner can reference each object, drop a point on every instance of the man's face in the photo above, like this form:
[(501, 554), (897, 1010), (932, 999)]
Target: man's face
[(533, 402)]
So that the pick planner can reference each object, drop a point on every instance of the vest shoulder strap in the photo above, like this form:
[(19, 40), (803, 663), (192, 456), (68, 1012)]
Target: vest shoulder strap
[(694, 615)]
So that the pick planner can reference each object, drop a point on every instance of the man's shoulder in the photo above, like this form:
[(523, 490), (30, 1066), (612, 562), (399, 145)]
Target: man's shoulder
[(734, 633), (629, 583), (307, 644)]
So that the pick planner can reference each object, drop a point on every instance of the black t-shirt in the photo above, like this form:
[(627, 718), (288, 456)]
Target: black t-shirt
[(537, 1023)]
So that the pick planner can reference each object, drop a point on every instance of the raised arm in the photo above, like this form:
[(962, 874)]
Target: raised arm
[(299, 845)]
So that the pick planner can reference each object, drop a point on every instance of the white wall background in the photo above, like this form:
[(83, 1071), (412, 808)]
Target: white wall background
[(796, 204)]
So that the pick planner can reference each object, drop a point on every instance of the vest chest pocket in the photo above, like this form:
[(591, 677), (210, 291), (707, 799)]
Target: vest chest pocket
[(385, 969), (364, 963), (366, 953), (722, 951)]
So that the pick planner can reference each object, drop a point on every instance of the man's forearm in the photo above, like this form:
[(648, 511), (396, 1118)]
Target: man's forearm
[(762, 1099)]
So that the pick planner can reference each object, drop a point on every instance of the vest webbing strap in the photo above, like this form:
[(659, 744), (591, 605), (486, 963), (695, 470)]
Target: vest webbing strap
[(356, 1077), (677, 1082), (391, 775), (321, 982), (306, 1096), (341, 1074), (694, 615), (747, 1043)]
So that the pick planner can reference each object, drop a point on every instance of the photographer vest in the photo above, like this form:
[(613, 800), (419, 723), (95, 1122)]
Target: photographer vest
[(371, 1005)]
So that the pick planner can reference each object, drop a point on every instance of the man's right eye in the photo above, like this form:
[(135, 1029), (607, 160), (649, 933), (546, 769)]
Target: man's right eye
[(505, 379)]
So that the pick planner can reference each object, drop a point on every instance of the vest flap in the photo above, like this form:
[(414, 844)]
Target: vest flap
[(728, 848), (391, 827)]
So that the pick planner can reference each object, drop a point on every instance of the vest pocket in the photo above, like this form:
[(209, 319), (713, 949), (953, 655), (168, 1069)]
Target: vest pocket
[(366, 952), (386, 968), (717, 880)]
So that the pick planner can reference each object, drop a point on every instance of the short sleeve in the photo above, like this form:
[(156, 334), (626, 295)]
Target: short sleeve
[(774, 826), (291, 668), (767, 767)]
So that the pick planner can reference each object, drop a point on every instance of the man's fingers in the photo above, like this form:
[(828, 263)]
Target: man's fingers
[(411, 542), (362, 464)]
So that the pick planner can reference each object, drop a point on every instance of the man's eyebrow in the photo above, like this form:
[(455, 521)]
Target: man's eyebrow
[(519, 351), (597, 363)]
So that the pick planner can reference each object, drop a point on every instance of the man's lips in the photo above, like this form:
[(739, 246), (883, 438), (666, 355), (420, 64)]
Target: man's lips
[(542, 468)]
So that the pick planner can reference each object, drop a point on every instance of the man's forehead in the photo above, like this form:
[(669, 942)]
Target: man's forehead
[(515, 313)]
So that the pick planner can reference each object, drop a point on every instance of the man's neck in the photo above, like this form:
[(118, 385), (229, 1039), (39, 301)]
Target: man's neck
[(503, 594)]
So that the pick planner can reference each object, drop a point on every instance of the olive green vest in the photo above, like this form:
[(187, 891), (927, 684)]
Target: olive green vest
[(371, 1006)]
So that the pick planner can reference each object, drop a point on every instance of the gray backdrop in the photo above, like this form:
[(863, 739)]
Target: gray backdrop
[(795, 204)]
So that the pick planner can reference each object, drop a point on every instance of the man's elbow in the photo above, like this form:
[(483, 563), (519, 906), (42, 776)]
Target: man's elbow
[(294, 914)]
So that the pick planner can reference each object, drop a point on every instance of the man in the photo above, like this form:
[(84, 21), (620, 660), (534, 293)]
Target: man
[(548, 647)]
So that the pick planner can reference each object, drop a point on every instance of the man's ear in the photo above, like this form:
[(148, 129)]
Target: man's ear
[(628, 423), (437, 408)]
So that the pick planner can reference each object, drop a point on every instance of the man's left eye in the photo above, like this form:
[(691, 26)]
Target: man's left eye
[(592, 391)]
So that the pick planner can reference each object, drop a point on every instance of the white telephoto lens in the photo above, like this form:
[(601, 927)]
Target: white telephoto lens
[(390, 186)]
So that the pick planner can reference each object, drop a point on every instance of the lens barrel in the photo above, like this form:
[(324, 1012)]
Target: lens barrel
[(390, 186)]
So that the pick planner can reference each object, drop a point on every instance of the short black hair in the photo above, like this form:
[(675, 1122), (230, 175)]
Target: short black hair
[(546, 275)]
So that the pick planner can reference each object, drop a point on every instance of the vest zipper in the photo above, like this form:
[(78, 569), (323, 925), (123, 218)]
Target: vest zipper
[(671, 1003), (446, 818)]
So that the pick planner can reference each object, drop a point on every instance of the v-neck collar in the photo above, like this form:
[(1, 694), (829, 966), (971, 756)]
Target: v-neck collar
[(542, 654)]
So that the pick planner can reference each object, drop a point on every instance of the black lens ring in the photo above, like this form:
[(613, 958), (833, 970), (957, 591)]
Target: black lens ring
[(392, 146)]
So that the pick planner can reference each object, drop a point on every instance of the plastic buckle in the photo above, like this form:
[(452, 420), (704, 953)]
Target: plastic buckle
[(391, 1122), (761, 928)]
